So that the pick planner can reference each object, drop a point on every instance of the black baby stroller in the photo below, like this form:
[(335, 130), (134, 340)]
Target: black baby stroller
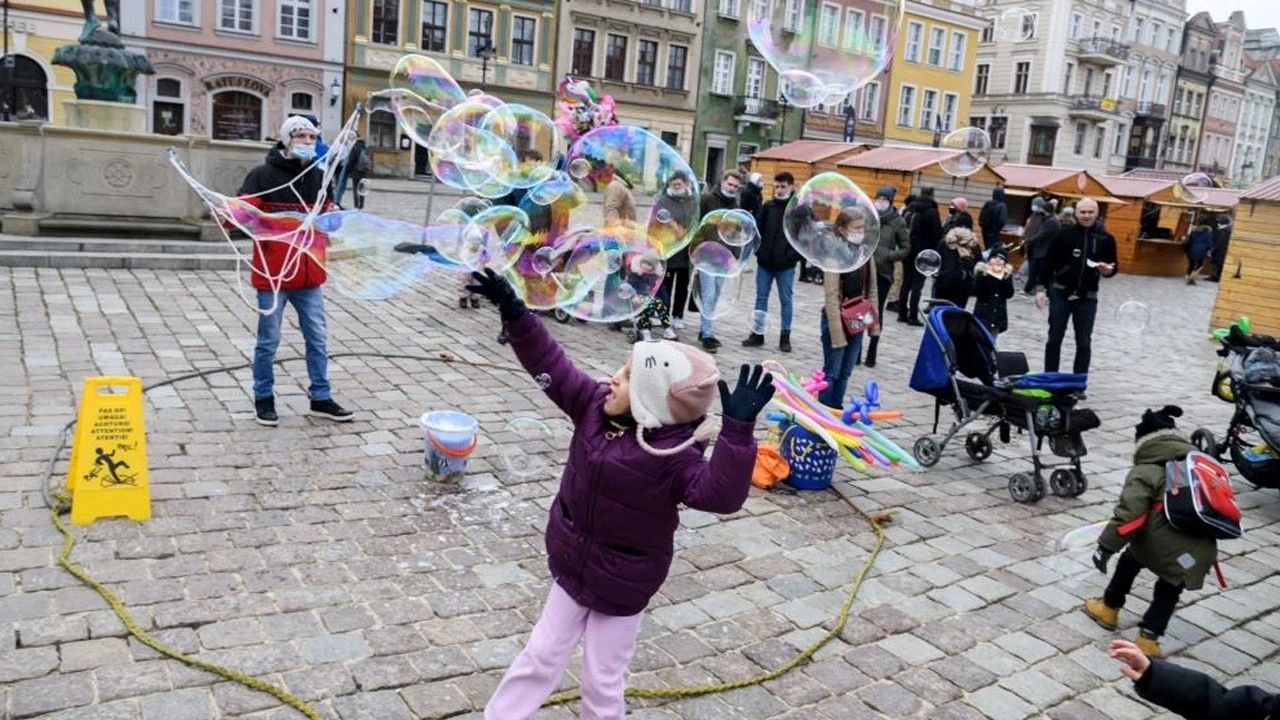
[(958, 365), (1249, 378)]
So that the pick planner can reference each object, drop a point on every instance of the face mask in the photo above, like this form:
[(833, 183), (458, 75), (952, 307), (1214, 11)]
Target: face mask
[(882, 205), (729, 193), (856, 238), (679, 192), (783, 195), (305, 153)]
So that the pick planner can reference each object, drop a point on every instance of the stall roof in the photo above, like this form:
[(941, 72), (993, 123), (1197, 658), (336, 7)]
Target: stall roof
[(899, 157), (1265, 190), (1153, 174), (1034, 176), (1124, 186), (807, 151), (1132, 187)]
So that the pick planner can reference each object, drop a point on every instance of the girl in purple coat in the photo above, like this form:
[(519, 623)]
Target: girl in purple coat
[(636, 456)]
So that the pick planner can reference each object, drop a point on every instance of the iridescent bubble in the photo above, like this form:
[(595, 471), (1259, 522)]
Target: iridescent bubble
[(493, 239), (471, 206), (525, 454), (1194, 188), (737, 227), (626, 291), (543, 381), (1015, 25), (1133, 316), (544, 260), (532, 134), (759, 322), (591, 292), (714, 258), (414, 116), (727, 294), (538, 272), (821, 55), (928, 263), (362, 188), (558, 189), (424, 77), (832, 223), (973, 151), (371, 258), (579, 168), (662, 215), (1071, 555), (469, 157)]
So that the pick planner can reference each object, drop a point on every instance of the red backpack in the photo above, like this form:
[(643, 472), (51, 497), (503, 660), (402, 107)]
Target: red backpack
[(1198, 500)]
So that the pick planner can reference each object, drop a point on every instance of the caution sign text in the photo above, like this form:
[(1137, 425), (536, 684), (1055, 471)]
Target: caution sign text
[(108, 472)]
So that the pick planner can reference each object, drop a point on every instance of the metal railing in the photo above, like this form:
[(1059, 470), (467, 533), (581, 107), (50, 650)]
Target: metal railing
[(1103, 46), (1146, 107), (757, 107), (1096, 104)]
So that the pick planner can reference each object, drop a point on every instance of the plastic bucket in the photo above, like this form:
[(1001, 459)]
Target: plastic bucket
[(450, 436), (812, 461)]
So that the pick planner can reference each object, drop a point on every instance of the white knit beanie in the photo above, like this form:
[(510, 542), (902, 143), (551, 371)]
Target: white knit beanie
[(294, 125), (671, 383)]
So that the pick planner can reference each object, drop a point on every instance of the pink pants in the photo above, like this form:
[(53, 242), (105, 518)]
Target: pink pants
[(536, 672)]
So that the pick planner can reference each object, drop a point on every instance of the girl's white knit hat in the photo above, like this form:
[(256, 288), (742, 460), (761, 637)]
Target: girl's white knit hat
[(671, 383)]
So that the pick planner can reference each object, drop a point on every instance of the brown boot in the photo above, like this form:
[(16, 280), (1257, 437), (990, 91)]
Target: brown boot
[(1148, 644), (1102, 613)]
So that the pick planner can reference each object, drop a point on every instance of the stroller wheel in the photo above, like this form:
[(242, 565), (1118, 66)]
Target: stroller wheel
[(978, 446), (1081, 484), (1062, 482), (1022, 487), (1204, 442), (926, 451)]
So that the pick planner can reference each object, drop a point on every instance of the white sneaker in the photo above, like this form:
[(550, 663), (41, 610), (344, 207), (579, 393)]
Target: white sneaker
[(669, 334), (677, 323)]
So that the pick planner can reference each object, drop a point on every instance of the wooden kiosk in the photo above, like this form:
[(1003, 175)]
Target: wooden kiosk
[(1149, 230), (1067, 185), (1250, 282), (908, 169), (801, 158)]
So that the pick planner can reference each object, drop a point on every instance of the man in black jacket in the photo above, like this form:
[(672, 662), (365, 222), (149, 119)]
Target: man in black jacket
[(1190, 693), (1078, 256), (1036, 245), (775, 260), (992, 219), (926, 232)]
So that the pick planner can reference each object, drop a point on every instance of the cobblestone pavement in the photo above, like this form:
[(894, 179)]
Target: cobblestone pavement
[(315, 555)]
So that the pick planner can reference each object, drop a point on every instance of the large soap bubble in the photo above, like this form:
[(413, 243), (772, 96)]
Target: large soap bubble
[(610, 275), (1015, 25), (532, 134), (426, 79), (371, 258), (821, 54), (1193, 188), (973, 151), (832, 223)]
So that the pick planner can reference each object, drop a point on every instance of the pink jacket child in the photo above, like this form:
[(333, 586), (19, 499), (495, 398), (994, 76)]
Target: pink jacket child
[(636, 456)]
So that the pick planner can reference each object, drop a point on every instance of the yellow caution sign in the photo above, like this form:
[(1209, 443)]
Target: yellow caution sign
[(108, 472)]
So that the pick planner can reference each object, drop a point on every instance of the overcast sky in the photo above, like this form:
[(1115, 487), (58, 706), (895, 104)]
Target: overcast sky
[(1257, 13)]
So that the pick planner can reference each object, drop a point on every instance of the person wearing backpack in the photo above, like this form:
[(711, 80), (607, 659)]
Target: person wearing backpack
[(1144, 537)]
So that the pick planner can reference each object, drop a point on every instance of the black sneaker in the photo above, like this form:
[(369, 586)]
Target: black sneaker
[(502, 337), (784, 342), (332, 410), (754, 340), (265, 412), (709, 344)]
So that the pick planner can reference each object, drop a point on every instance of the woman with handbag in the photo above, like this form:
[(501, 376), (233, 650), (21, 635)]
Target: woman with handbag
[(848, 312)]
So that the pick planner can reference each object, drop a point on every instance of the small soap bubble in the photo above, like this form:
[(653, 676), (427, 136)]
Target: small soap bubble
[(759, 322), (362, 188), (1133, 316), (928, 263), (543, 380)]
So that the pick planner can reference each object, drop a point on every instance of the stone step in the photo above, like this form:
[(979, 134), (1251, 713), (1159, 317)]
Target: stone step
[(117, 246), (116, 227), (117, 260)]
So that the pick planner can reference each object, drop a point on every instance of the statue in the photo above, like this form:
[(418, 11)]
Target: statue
[(104, 68), (92, 23)]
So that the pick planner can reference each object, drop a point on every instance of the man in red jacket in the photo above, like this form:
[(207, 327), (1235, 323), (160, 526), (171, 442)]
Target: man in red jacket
[(283, 273)]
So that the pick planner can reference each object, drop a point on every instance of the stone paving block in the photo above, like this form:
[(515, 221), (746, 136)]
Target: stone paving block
[(1222, 656), (379, 673), (434, 700), (194, 704), (928, 685), (911, 649), (1036, 688), (318, 682), (999, 704), (1026, 647), (1110, 702), (89, 654), (381, 705), (131, 680)]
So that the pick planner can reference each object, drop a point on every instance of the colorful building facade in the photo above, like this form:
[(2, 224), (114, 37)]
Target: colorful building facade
[(38, 87), (931, 79)]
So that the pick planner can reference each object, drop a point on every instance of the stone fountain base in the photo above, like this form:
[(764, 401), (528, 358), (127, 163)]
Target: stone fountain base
[(104, 115)]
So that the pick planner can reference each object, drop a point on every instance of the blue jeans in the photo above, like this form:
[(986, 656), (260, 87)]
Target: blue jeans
[(1081, 312), (786, 280), (837, 365), (709, 287), (309, 304)]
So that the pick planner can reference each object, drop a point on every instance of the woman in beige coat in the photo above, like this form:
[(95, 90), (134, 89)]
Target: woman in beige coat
[(840, 350)]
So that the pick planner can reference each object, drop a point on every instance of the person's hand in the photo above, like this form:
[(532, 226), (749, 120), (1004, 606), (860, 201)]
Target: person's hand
[(750, 396), (1135, 663), (499, 292), (1105, 268), (1041, 299), (1101, 557)]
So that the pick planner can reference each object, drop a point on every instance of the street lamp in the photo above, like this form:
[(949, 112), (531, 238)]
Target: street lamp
[(486, 54), (335, 91), (782, 129)]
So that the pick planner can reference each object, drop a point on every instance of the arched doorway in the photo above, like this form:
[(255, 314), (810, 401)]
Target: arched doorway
[(24, 89), (237, 115)]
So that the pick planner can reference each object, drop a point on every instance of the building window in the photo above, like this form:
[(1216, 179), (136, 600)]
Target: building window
[(791, 15), (755, 80), (731, 8), (950, 102), (1170, 44), (878, 25), (829, 25), (677, 60), (998, 132), (237, 115), (386, 22), (906, 106), (1021, 77), (1126, 82), (855, 32), (435, 26), (168, 111), (647, 63), (915, 34), (176, 11), (981, 79), (958, 42), (479, 31), (523, 32), (1069, 79), (1028, 27), (1117, 146), (1076, 20), (928, 105), (722, 73), (670, 138), (301, 103), (1144, 89), (236, 15), (584, 52), (1162, 86), (988, 33), (978, 121), (1136, 37), (1099, 141), (382, 131), (615, 57), (684, 6), (295, 19), (870, 109), (937, 38)]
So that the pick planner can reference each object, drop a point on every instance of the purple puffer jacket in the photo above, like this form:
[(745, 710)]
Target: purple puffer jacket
[(609, 539)]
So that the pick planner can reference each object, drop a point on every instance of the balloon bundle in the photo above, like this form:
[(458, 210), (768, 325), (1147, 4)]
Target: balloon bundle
[(849, 431), (581, 110)]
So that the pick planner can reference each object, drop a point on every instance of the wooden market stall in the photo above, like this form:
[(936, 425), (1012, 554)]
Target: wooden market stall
[(801, 158), (1250, 282), (908, 169), (1149, 230), (1067, 185)]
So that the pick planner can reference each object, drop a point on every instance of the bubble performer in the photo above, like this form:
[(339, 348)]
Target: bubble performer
[(636, 456)]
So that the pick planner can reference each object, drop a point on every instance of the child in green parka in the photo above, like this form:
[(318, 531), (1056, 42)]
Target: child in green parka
[(1145, 538)]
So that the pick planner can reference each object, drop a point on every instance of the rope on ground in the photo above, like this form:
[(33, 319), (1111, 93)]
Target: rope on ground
[(803, 656)]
